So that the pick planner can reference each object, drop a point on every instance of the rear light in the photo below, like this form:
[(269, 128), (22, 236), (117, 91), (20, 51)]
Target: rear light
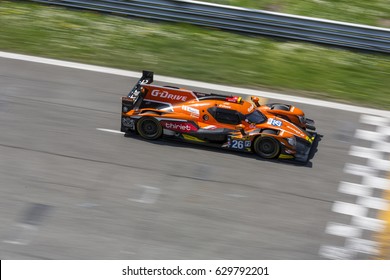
[(234, 99), (127, 104)]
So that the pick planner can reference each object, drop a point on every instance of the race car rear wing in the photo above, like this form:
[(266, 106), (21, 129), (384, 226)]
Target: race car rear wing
[(168, 94), (147, 78)]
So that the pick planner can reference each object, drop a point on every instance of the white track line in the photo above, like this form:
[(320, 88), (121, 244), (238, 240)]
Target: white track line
[(349, 209), (376, 182), (370, 135), (361, 226), (229, 89), (336, 253), (373, 203), (368, 223), (354, 189), (380, 164), (343, 230), (110, 130), (364, 152), (362, 246), (358, 169), (367, 119)]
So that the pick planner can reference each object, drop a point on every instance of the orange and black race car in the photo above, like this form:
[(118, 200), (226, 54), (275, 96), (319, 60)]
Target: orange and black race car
[(271, 131)]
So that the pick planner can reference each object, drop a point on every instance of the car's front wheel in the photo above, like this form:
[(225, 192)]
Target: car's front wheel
[(266, 147), (149, 128)]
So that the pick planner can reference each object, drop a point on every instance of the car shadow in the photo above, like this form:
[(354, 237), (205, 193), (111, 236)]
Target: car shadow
[(172, 142)]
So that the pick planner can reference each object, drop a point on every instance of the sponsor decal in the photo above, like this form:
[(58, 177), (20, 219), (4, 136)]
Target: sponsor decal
[(225, 105), (239, 144), (193, 111), (274, 122), (169, 96), (297, 131), (251, 108), (179, 126)]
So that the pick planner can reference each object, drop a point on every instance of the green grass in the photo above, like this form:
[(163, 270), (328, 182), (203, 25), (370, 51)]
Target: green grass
[(371, 12), (196, 53)]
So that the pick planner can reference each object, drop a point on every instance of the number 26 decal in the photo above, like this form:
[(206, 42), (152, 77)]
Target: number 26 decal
[(239, 144)]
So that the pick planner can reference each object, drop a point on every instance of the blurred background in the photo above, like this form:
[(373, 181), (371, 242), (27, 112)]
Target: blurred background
[(72, 187)]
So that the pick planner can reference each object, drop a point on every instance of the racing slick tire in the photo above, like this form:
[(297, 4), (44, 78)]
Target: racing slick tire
[(149, 128), (267, 146)]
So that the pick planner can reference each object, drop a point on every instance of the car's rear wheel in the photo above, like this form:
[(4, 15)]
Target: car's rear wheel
[(267, 146), (149, 128)]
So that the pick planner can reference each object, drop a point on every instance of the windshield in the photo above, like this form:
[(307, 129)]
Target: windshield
[(255, 117)]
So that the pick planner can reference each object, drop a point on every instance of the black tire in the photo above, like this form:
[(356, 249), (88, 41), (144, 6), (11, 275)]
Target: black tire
[(267, 146), (149, 128)]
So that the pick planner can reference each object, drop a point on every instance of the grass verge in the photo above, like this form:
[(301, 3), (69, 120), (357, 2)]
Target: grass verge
[(196, 53)]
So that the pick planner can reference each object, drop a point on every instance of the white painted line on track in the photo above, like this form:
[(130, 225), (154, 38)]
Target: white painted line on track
[(110, 130), (373, 202), (382, 146), (376, 182), (209, 86), (358, 169), (335, 253), (364, 152), (385, 130), (349, 209), (369, 135), (380, 164), (362, 246), (368, 223), (354, 189), (343, 230), (373, 120), (362, 228)]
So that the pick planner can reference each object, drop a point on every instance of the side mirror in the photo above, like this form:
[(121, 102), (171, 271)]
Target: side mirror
[(255, 100)]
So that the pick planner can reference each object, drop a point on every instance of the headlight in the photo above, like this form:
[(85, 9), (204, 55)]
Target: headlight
[(292, 141), (302, 119)]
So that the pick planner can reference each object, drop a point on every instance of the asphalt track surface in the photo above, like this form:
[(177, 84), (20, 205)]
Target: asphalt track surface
[(70, 191)]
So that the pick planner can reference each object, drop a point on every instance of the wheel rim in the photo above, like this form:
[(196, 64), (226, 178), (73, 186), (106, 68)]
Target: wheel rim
[(149, 128), (267, 147)]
